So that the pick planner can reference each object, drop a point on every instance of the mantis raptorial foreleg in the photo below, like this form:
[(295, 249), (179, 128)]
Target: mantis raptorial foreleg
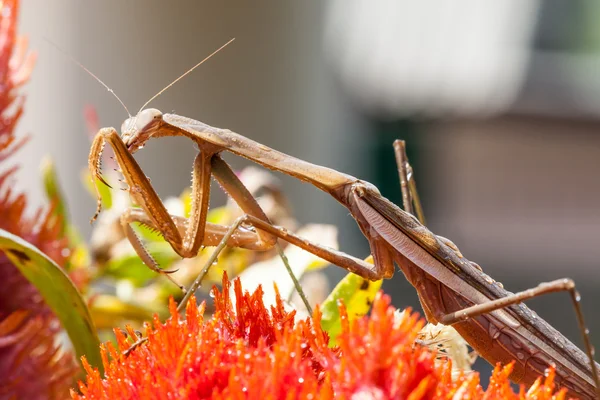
[(186, 236)]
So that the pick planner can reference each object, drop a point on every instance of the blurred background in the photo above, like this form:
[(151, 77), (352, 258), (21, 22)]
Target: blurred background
[(499, 102)]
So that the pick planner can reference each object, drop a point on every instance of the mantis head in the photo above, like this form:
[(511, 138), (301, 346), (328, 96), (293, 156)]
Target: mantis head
[(137, 130)]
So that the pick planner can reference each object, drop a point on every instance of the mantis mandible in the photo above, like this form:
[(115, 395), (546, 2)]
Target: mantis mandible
[(451, 289)]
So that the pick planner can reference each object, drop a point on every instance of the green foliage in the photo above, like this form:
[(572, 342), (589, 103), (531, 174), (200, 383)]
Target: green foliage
[(130, 267), (58, 292), (79, 257), (356, 293)]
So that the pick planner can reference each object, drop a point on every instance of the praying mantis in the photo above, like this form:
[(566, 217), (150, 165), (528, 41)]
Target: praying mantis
[(451, 289)]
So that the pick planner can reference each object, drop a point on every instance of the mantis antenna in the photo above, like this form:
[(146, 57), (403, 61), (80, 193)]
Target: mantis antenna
[(90, 73), (184, 74)]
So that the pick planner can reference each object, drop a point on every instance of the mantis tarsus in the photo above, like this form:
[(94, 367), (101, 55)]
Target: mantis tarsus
[(452, 290)]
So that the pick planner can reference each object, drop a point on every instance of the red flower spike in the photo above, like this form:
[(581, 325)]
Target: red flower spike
[(249, 352), (30, 365)]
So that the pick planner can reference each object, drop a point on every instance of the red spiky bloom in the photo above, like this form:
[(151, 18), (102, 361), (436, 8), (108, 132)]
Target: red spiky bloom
[(248, 352), (30, 365)]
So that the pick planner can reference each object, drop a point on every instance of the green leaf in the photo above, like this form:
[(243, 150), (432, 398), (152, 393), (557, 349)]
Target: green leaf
[(53, 191), (130, 267), (216, 215), (186, 198), (105, 192), (219, 215), (80, 257), (147, 234), (357, 294), (58, 292)]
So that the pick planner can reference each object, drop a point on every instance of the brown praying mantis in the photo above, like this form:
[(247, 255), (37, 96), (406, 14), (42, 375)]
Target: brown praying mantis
[(451, 289)]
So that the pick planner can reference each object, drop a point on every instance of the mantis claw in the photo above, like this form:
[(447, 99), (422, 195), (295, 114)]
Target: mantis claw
[(101, 179), (167, 274)]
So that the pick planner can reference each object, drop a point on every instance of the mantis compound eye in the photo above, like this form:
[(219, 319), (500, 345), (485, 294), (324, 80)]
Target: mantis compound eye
[(146, 117), (137, 130)]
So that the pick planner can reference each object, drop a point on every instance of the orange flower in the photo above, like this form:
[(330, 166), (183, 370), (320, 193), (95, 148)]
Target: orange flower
[(248, 352), (30, 366)]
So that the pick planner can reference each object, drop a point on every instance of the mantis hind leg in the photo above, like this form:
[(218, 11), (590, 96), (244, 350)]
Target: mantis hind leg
[(412, 204), (560, 285)]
